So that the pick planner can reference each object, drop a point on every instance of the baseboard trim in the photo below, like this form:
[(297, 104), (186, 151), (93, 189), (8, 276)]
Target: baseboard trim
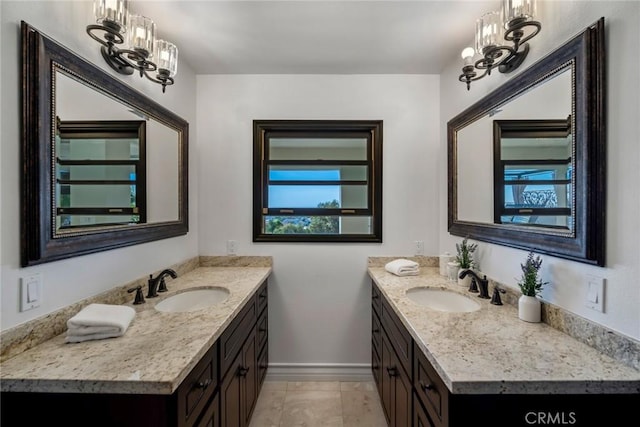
[(319, 372)]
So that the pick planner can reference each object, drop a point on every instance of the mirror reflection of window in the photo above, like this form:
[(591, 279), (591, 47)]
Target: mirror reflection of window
[(100, 173), (533, 173)]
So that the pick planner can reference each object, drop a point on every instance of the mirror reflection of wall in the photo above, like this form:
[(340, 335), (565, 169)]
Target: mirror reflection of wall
[(76, 101)]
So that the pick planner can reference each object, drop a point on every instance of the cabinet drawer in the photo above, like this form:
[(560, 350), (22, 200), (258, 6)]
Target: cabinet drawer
[(198, 387), (376, 298), (263, 329), (430, 389), (398, 335), (263, 297), (234, 336)]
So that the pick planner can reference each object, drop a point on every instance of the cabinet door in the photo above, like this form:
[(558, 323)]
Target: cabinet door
[(401, 398), (211, 415), (386, 380), (420, 417), (231, 395), (396, 388), (249, 375)]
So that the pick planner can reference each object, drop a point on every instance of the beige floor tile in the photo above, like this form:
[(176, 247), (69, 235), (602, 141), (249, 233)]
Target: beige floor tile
[(312, 409), (268, 410), (362, 409), (357, 386), (314, 386), (274, 385)]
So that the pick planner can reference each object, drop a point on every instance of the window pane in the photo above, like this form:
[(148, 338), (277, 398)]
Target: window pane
[(318, 149), (98, 149), (537, 196), (317, 173), (70, 220), (553, 221), (97, 172), (316, 196), (96, 196), (316, 225), (537, 172)]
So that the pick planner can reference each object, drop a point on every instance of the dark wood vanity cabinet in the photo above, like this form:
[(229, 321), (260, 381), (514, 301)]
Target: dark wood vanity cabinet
[(195, 399), (391, 363), (221, 390), (413, 393), (243, 353)]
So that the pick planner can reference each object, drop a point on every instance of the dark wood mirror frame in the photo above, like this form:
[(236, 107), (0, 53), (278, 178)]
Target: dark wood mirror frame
[(39, 242), (587, 244)]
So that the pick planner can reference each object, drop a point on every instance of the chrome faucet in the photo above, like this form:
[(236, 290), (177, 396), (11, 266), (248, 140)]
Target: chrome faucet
[(483, 284), (158, 285)]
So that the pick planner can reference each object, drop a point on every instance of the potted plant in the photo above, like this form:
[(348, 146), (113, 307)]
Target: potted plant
[(464, 259), (530, 286)]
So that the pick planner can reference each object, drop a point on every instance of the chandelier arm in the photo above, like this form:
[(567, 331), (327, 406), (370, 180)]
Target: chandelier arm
[(112, 38), (508, 35)]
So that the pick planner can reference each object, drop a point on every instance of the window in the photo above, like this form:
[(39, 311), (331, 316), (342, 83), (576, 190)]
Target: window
[(317, 181), (100, 173), (533, 173)]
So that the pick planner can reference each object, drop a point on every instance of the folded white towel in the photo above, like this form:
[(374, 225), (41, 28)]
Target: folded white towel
[(99, 321), (403, 267)]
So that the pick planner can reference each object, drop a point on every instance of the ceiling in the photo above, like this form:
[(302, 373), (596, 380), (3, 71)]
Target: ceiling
[(316, 37)]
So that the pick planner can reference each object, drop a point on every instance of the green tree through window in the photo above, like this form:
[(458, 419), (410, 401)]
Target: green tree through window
[(305, 225)]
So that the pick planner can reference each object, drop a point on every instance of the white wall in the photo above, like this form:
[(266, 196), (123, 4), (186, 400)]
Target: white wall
[(319, 293), (561, 20), (71, 280)]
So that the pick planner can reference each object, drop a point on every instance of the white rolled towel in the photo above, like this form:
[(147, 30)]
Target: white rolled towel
[(99, 321), (403, 267)]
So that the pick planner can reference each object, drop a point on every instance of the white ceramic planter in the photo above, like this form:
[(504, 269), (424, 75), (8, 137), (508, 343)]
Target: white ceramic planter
[(529, 309)]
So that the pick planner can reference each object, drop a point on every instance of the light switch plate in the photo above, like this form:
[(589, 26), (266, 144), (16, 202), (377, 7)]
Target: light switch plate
[(30, 292), (595, 293)]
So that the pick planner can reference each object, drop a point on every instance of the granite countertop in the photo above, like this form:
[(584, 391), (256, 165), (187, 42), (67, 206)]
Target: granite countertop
[(492, 351), (152, 357)]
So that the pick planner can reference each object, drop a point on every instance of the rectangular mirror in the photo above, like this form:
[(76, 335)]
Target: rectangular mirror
[(526, 163), (104, 166)]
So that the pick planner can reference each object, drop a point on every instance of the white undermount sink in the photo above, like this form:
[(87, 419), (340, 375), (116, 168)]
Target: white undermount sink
[(192, 300), (442, 300)]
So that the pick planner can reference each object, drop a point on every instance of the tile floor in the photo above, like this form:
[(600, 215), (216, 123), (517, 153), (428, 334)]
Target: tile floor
[(311, 404)]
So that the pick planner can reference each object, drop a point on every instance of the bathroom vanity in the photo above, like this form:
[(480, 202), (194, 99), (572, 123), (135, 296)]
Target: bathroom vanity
[(448, 368), (195, 368)]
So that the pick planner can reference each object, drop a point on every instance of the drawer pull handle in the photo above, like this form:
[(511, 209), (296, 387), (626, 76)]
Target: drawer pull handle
[(262, 330), (392, 371), (204, 384), (376, 331), (242, 372), (375, 296), (426, 387)]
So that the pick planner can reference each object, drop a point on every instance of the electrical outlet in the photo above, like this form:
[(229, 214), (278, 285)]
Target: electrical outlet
[(419, 247), (30, 291), (595, 293), (232, 247)]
